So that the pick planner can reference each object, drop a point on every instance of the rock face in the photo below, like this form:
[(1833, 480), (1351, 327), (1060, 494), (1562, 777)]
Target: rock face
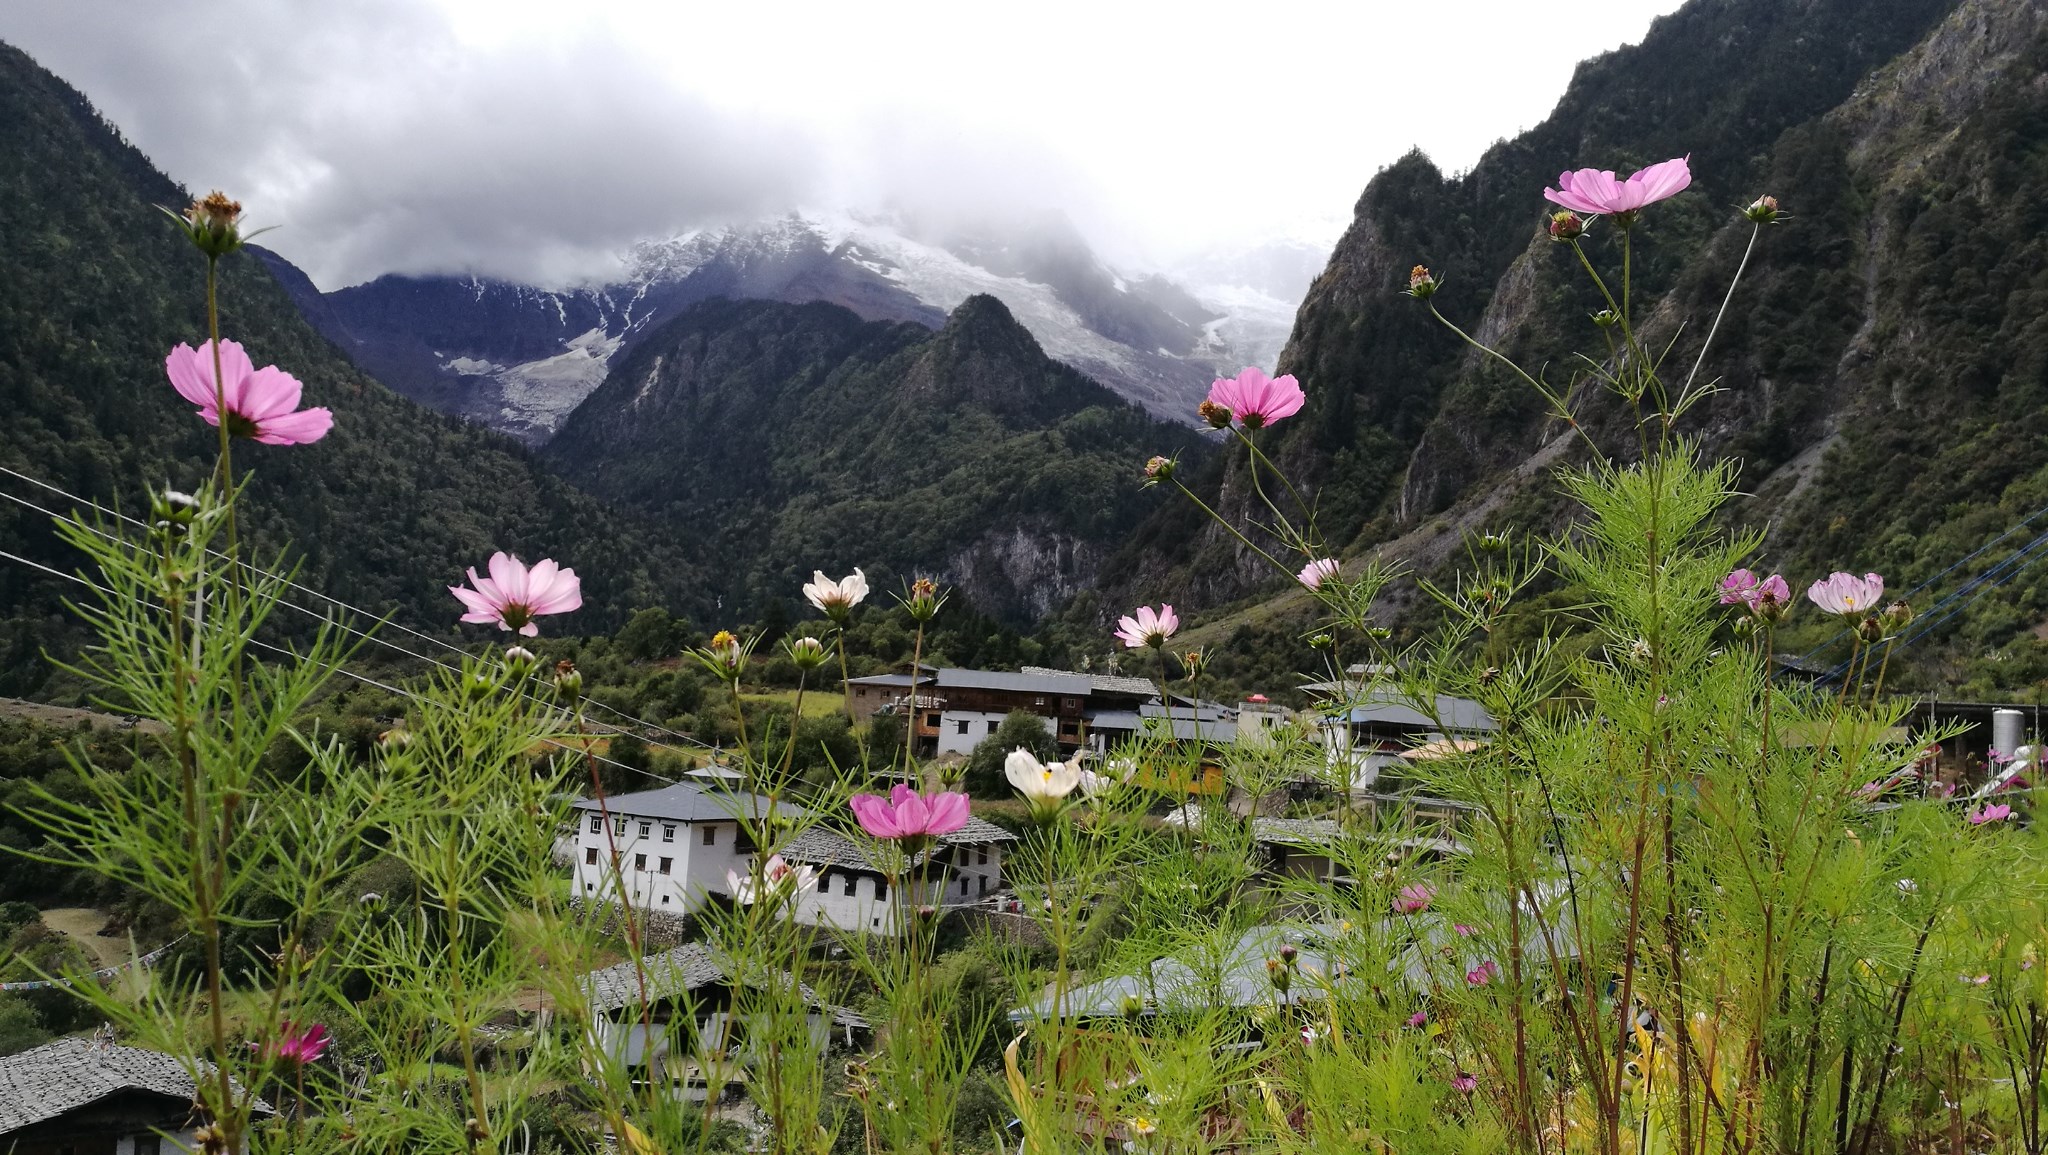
[(520, 359), (797, 436), (1405, 422)]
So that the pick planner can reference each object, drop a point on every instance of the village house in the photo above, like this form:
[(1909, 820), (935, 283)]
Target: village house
[(1370, 724), (953, 710), (689, 1018), (94, 1097), (675, 845), (853, 892)]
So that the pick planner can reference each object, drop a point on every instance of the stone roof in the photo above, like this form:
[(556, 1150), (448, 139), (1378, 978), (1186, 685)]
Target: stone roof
[(822, 846), (672, 972), (1051, 684), (686, 968), (57, 1078), (684, 802), (1107, 683)]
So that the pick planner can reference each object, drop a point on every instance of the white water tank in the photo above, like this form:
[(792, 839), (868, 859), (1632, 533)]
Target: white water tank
[(2006, 728)]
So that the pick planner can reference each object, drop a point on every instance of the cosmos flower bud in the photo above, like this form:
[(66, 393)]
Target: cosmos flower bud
[(1566, 226), (924, 601), (1422, 284), (1160, 469), (1280, 973), (520, 661), (1320, 642), (1133, 1007), (1763, 210), (807, 653), (1290, 955), (1870, 629), (1607, 318), (171, 513), (1897, 616), (213, 225), (568, 679), (1218, 416), (395, 739), (474, 1129), (725, 657)]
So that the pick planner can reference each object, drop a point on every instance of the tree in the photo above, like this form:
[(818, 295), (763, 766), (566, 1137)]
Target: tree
[(1021, 729), (649, 636)]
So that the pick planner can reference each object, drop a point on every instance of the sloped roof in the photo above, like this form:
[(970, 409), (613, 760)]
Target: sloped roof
[(1392, 706), (60, 1077), (684, 802), (1107, 683), (822, 846), (1066, 685), (673, 972)]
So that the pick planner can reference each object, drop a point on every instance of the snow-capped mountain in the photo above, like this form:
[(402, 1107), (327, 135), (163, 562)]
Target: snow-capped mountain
[(520, 358)]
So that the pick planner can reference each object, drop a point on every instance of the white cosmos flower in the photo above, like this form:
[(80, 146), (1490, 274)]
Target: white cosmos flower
[(835, 598), (1044, 785)]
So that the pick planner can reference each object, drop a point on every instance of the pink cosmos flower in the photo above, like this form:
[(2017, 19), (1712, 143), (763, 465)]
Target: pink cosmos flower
[(1147, 627), (1765, 597), (1596, 192), (1315, 573), (1419, 1018), (1257, 400), (1464, 1082), (1847, 594), (1482, 974), (262, 404), (1990, 814), (1414, 898), (298, 1047), (908, 814), (1463, 930), (514, 595)]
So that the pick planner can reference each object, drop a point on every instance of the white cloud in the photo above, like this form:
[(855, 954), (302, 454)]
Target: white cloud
[(536, 139)]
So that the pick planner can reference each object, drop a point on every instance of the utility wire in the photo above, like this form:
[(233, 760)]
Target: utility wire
[(337, 602), (1953, 566), (368, 681)]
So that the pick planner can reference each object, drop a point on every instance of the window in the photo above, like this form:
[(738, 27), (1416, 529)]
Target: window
[(862, 692), (639, 862), (664, 900), (597, 824), (668, 832), (590, 856), (1073, 703), (666, 864), (962, 725), (851, 882), (711, 836), (587, 888), (646, 829), (149, 1145), (963, 884), (992, 724), (981, 855), (931, 720), (1038, 701), (881, 890), (1070, 727), (619, 825), (984, 884)]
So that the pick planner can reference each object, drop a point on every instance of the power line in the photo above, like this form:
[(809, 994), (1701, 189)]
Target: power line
[(369, 681), (337, 602), (1953, 566)]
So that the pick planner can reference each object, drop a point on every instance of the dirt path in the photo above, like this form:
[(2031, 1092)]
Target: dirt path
[(81, 925)]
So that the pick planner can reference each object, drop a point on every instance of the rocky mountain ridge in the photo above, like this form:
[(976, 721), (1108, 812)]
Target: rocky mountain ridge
[(519, 358)]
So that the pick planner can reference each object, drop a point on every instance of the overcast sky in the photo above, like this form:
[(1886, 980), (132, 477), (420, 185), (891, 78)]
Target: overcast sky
[(536, 139)]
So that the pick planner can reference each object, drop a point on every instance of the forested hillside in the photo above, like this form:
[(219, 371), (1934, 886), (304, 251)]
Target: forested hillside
[(797, 436), (96, 287), (1881, 368)]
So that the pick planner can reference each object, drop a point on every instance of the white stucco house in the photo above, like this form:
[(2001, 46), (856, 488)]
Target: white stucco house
[(674, 845), (853, 891)]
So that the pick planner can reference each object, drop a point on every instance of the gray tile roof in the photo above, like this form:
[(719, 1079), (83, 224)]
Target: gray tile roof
[(684, 802), (683, 969), (1065, 685), (670, 973), (1106, 683), (1185, 729), (822, 846), (59, 1077), (1392, 706)]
